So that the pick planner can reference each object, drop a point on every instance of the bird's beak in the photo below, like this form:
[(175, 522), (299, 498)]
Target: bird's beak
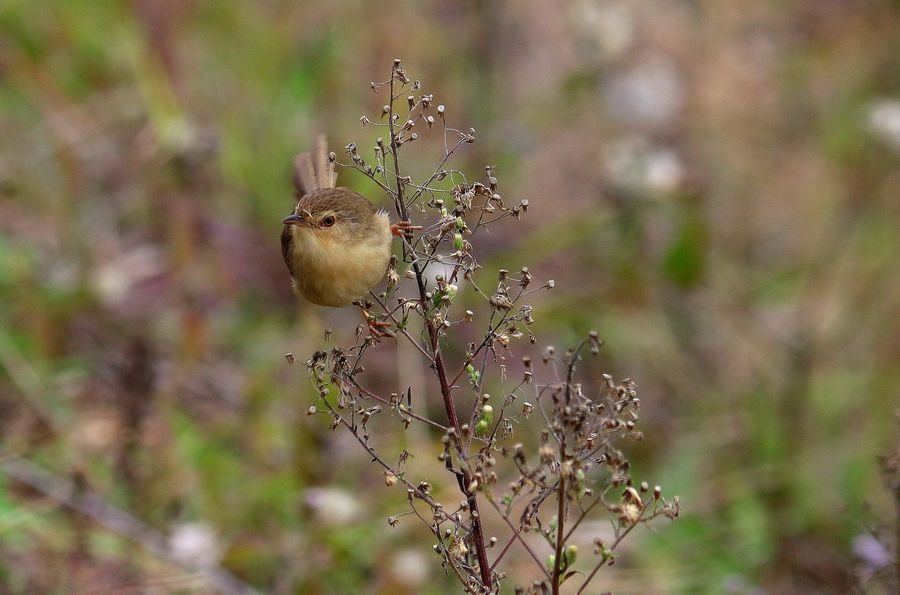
[(294, 219)]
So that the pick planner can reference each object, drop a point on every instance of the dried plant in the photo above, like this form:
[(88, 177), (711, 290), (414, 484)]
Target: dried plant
[(575, 468)]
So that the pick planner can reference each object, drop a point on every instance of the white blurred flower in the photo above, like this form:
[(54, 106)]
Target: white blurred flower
[(740, 586), (871, 551), (115, 280), (195, 543), (883, 120), (99, 431), (332, 506), (606, 26), (650, 94), (410, 567), (638, 165)]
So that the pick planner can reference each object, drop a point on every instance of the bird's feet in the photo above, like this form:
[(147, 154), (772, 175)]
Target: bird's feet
[(401, 228), (378, 329)]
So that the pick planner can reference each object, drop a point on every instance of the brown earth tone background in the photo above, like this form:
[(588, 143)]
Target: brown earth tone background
[(714, 186)]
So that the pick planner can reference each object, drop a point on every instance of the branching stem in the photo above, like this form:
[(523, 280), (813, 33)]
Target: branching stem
[(434, 335)]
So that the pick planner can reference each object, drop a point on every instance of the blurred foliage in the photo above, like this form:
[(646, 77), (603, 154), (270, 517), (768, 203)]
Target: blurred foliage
[(712, 186)]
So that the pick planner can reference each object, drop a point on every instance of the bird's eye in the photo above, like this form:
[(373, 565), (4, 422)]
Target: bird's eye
[(328, 221)]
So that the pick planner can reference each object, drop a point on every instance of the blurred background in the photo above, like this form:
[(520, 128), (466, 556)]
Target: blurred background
[(713, 185)]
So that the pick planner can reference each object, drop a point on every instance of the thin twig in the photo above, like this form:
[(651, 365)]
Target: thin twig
[(520, 538), (615, 544), (117, 521)]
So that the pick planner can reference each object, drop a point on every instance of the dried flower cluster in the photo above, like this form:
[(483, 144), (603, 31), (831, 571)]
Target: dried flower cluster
[(574, 467)]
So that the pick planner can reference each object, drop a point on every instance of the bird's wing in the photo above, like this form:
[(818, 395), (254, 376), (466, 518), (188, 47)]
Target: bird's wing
[(286, 241), (313, 170)]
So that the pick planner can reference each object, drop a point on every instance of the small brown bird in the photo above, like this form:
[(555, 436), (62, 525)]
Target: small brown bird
[(336, 243)]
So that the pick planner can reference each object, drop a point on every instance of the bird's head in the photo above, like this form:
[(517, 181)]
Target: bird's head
[(335, 214), (304, 218)]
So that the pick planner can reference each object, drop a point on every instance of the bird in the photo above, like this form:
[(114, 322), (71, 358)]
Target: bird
[(336, 243)]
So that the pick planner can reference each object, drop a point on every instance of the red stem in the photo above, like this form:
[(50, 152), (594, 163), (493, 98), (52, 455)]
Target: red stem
[(463, 478)]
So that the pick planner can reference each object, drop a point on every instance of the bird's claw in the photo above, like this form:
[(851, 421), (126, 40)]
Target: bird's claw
[(401, 228), (378, 329)]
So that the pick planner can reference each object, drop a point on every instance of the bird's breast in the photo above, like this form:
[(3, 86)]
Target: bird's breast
[(333, 271)]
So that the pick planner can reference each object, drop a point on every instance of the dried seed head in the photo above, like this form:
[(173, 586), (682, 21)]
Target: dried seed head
[(547, 453), (630, 513), (459, 549), (501, 301), (526, 277)]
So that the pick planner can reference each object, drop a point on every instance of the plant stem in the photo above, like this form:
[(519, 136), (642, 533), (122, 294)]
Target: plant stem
[(517, 534), (612, 548), (464, 478), (560, 528)]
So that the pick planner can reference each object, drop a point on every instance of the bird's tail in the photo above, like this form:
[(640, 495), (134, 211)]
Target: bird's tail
[(313, 170)]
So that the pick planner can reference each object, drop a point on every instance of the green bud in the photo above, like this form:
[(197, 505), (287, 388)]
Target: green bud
[(474, 375), (605, 553), (571, 554), (458, 241), (486, 419)]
